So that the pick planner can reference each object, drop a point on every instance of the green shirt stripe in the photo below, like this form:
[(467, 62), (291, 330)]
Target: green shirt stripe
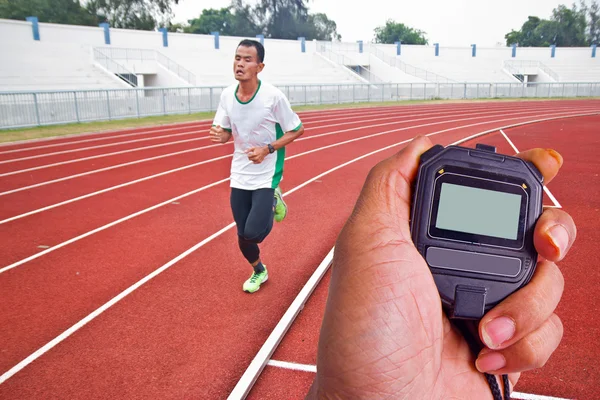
[(280, 159)]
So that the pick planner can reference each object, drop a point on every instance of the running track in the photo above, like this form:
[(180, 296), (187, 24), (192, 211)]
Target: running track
[(120, 274)]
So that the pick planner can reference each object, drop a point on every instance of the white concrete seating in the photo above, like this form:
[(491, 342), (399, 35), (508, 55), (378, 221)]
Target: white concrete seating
[(583, 71), (215, 67), (50, 66)]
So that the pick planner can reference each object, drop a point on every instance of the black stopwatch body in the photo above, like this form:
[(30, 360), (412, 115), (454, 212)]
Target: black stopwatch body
[(472, 219)]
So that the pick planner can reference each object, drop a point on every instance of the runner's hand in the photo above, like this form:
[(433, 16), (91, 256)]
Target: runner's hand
[(257, 154), (218, 134)]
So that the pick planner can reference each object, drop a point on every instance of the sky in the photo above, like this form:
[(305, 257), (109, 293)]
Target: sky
[(448, 22)]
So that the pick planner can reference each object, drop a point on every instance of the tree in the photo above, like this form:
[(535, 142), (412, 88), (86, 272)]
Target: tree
[(393, 32), (566, 27), (224, 21), (282, 19), (277, 19), (133, 14), (322, 28), (53, 11), (593, 32), (571, 26), (527, 36)]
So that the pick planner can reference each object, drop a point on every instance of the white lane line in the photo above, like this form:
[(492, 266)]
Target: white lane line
[(187, 125), (528, 396), (205, 125), (176, 125), (38, 353), (95, 171), (243, 386), (100, 156), (143, 148), (318, 123), (393, 116), (97, 139), (556, 203), (288, 158), (122, 185), (186, 151), (292, 366), (182, 125), (102, 146), (129, 290), (438, 132), (104, 227)]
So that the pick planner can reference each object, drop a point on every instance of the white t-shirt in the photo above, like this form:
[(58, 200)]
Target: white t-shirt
[(256, 123)]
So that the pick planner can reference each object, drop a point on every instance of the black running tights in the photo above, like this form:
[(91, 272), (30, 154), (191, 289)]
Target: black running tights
[(253, 215)]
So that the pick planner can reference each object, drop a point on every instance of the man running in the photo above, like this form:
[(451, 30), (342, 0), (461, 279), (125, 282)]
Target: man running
[(259, 118)]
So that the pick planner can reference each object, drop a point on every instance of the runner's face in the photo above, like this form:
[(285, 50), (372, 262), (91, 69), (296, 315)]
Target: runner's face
[(246, 65)]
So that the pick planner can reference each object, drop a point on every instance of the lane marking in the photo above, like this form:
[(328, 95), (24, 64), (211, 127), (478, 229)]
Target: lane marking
[(97, 139), (242, 388), (101, 156), (38, 353), (182, 152), (43, 166), (528, 396), (49, 207), (95, 171), (556, 203), (99, 147), (105, 307), (109, 189), (206, 125), (292, 366)]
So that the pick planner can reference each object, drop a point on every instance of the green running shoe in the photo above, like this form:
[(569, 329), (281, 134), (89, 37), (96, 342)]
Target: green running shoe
[(253, 284), (280, 206)]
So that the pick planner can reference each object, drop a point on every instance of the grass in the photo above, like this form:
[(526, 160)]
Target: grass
[(13, 135)]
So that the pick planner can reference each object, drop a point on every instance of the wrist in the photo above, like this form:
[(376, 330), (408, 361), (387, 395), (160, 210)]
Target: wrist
[(270, 148)]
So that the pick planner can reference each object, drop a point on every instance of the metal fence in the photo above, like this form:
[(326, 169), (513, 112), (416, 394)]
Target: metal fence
[(26, 109)]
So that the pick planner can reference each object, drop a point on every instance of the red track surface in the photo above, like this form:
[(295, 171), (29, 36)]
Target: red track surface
[(191, 331)]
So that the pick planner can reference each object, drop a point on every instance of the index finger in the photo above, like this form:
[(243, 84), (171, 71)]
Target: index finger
[(547, 161)]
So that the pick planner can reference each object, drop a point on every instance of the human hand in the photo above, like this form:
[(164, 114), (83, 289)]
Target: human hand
[(384, 334), (218, 134), (257, 154)]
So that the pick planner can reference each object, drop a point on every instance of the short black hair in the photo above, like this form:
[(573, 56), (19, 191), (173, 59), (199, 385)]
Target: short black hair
[(260, 50)]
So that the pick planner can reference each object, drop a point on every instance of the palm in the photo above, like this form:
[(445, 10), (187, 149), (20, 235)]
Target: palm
[(398, 342), (384, 334)]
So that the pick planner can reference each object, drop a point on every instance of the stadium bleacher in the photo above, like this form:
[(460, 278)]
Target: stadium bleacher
[(63, 59), (51, 66)]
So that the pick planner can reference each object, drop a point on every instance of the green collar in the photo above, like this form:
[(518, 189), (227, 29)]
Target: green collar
[(242, 102)]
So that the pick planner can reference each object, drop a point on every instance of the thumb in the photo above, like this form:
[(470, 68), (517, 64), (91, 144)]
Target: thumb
[(388, 186)]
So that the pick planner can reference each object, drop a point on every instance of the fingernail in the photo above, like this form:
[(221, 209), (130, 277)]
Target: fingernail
[(555, 155), (559, 237), (498, 331), (490, 362)]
